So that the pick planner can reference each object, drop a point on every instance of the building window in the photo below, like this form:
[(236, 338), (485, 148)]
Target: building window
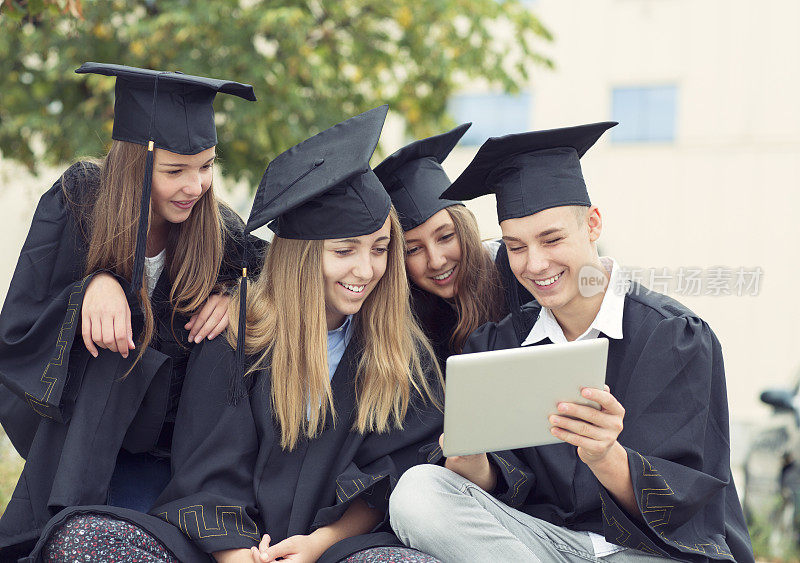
[(645, 114), (492, 115)]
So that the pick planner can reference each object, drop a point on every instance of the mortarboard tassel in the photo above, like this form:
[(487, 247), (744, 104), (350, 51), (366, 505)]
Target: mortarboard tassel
[(238, 377), (242, 322), (144, 208)]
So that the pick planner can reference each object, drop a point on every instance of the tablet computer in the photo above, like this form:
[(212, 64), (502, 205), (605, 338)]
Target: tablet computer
[(501, 400)]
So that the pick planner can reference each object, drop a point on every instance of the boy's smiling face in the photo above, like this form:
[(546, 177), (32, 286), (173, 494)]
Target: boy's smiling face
[(547, 250)]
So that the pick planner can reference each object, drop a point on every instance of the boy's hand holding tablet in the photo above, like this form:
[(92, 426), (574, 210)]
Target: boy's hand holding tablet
[(593, 431)]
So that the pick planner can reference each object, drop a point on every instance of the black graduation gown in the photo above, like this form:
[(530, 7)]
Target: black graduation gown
[(667, 372), (67, 414), (232, 482), (438, 318)]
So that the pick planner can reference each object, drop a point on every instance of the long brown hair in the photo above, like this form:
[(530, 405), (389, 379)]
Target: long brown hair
[(479, 291), (286, 327), (194, 247)]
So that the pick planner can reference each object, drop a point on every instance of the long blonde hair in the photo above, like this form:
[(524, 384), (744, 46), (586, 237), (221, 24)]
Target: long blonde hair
[(194, 248), (479, 291), (286, 327)]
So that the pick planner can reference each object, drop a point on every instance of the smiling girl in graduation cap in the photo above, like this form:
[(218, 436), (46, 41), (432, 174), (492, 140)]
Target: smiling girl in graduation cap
[(456, 286), (343, 413), (95, 426), (343, 386)]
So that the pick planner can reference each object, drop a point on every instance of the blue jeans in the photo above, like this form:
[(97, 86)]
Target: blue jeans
[(437, 511), (137, 481)]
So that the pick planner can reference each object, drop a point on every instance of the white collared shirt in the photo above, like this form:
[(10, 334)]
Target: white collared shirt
[(609, 322), (608, 319)]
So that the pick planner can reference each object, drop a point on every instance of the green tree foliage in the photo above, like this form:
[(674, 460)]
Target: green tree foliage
[(312, 63)]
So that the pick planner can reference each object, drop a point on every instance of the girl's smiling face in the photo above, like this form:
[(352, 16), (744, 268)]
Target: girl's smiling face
[(351, 268), (179, 180), (433, 254)]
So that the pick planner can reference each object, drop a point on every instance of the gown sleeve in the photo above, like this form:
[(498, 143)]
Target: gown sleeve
[(382, 458), (482, 339), (515, 479), (41, 312), (676, 436), (210, 497)]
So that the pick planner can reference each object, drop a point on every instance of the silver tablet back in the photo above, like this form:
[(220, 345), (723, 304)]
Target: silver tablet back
[(501, 400)]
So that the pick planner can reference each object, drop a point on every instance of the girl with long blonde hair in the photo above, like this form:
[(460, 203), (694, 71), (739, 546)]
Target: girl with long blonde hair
[(131, 253), (458, 283), (286, 331), (291, 449)]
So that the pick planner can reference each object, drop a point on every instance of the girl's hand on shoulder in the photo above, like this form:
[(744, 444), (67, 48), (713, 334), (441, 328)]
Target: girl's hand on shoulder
[(106, 317), (211, 320)]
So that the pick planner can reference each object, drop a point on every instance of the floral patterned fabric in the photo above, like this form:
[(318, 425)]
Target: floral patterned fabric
[(390, 555), (92, 538)]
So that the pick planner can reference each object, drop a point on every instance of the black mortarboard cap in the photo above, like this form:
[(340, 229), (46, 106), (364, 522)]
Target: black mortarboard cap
[(530, 172), (415, 179), (322, 188), (165, 110), (172, 109)]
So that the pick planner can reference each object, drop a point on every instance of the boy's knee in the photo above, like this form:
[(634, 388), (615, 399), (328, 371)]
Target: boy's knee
[(417, 496)]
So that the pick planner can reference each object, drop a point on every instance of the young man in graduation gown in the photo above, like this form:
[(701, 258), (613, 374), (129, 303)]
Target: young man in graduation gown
[(645, 478)]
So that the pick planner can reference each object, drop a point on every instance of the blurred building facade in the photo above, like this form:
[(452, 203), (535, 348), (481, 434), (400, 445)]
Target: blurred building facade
[(698, 186)]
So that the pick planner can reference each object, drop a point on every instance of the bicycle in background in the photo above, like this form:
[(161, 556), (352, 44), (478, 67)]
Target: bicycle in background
[(772, 475)]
